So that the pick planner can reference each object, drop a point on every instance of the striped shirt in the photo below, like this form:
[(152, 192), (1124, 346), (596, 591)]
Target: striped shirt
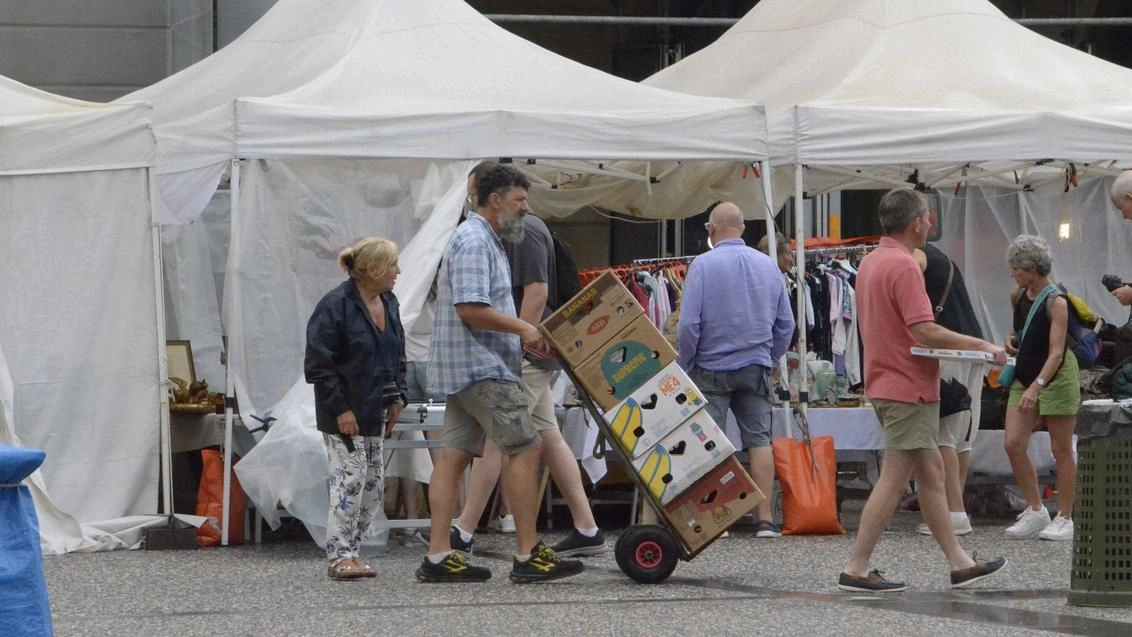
[(474, 270)]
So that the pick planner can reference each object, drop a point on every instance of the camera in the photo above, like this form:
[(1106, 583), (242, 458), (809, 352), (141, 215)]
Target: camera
[(1112, 282)]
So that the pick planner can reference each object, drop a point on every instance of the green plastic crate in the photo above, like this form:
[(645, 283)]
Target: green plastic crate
[(1102, 522)]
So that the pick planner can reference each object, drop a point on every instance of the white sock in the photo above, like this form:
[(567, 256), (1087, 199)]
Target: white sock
[(437, 558), (464, 535), (958, 516), (587, 532), (523, 558)]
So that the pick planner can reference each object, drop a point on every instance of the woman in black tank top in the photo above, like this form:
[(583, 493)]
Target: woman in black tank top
[(1046, 389)]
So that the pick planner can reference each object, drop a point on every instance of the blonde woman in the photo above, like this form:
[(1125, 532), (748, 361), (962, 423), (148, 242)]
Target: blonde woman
[(355, 359)]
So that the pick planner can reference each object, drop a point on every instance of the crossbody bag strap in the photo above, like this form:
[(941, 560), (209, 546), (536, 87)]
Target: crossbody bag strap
[(1038, 302), (946, 289)]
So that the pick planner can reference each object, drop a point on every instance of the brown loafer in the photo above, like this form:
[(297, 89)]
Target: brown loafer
[(345, 570)]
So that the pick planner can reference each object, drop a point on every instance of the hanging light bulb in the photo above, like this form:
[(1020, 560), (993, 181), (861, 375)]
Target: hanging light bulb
[(1063, 231)]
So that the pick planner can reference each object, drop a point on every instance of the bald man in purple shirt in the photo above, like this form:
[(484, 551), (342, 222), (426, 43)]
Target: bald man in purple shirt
[(735, 321)]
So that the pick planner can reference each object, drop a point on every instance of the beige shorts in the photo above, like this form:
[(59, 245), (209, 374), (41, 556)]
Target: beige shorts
[(540, 398), (958, 429), (908, 426), (493, 409)]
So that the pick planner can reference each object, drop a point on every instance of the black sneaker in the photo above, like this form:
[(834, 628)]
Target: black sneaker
[(458, 544), (967, 576), (874, 582), (543, 565), (454, 568), (578, 545)]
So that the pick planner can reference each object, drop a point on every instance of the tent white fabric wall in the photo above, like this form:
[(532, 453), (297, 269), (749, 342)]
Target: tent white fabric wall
[(79, 320), (866, 93), (356, 117)]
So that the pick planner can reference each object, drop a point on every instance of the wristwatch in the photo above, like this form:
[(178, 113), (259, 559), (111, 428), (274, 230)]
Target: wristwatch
[(1041, 383)]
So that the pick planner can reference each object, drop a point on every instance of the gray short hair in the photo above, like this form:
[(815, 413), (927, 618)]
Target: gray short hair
[(1030, 252), (899, 208)]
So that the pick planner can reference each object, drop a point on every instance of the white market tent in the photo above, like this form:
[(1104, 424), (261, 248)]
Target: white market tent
[(874, 93), (358, 117), (81, 341)]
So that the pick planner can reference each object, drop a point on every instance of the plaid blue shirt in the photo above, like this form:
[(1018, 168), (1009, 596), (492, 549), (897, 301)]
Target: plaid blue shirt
[(475, 270)]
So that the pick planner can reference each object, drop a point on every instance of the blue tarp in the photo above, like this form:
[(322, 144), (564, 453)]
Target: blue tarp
[(24, 606)]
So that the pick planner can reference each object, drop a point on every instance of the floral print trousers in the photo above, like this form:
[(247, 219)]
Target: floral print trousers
[(357, 489)]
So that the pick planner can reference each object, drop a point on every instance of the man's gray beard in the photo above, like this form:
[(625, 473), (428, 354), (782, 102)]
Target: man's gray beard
[(513, 230)]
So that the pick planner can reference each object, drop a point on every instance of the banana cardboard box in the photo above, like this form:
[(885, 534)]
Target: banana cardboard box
[(654, 409), (683, 456), (627, 361), (590, 319), (713, 503)]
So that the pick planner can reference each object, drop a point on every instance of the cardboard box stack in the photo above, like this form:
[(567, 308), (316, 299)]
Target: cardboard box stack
[(652, 410)]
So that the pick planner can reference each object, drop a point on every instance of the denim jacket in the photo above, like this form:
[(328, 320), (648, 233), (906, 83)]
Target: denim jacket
[(342, 360)]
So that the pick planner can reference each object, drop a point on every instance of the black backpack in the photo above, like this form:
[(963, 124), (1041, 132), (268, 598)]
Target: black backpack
[(566, 279)]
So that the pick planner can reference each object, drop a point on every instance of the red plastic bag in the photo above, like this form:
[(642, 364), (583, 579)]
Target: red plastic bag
[(809, 486), (210, 501)]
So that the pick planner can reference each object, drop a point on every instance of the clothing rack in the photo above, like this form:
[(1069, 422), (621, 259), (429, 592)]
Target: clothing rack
[(829, 250), (663, 260)]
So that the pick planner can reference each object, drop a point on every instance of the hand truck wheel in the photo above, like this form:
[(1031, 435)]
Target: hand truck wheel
[(647, 554)]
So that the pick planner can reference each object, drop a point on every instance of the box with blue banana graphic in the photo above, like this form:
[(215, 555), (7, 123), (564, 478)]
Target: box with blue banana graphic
[(654, 409), (683, 456)]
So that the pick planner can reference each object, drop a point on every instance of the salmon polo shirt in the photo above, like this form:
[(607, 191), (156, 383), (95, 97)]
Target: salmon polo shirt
[(890, 298)]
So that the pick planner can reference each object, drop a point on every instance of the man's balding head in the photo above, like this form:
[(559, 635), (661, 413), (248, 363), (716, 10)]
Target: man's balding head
[(726, 222), (1121, 193)]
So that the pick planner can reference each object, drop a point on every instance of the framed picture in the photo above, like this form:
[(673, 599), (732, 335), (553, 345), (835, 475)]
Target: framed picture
[(180, 361)]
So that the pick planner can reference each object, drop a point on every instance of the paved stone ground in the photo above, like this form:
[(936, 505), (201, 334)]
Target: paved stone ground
[(740, 585)]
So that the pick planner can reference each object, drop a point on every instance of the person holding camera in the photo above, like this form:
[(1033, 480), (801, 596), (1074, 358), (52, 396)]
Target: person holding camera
[(355, 358), (1121, 194), (1046, 387)]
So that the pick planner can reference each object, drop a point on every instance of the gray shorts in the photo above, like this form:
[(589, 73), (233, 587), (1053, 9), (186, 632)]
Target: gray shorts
[(493, 409), (746, 392)]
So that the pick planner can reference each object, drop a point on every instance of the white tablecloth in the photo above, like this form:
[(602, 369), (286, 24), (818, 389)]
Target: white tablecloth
[(852, 428)]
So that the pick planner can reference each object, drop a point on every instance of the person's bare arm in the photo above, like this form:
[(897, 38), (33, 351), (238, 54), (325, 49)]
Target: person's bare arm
[(534, 302), (485, 317)]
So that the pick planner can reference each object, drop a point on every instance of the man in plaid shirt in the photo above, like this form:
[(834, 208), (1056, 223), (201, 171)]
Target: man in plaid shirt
[(474, 360)]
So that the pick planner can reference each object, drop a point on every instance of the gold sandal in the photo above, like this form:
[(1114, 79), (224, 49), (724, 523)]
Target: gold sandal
[(345, 569)]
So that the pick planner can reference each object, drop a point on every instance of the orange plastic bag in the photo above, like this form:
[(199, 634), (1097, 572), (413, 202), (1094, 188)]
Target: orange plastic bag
[(210, 501), (809, 486)]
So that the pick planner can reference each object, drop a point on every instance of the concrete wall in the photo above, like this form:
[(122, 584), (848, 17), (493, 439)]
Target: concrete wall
[(101, 49)]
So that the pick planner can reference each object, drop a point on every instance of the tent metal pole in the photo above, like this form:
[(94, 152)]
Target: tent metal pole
[(799, 272), (165, 440), (229, 380)]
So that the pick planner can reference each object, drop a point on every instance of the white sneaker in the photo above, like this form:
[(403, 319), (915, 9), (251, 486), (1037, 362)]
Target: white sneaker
[(505, 524), (1029, 524), (1060, 530), (960, 528)]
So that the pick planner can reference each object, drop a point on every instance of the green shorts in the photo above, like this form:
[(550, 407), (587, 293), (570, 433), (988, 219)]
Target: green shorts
[(1061, 397), (908, 426)]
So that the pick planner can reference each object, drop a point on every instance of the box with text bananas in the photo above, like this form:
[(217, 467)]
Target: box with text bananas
[(683, 456), (713, 503), (590, 319), (627, 361), (654, 409)]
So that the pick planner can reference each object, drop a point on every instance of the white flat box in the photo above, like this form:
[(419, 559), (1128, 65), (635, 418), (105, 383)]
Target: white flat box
[(653, 410), (683, 456), (963, 355)]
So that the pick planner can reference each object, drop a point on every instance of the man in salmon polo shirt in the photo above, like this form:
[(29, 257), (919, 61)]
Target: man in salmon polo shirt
[(895, 315)]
